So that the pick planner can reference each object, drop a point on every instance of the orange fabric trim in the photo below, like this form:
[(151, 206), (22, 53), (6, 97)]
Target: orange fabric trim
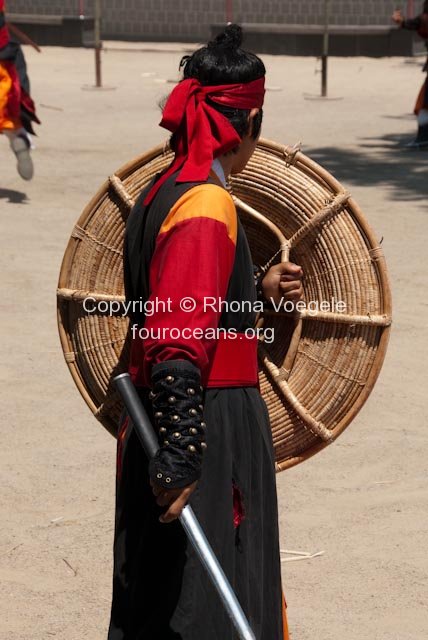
[(284, 619), (6, 83), (120, 444), (204, 201)]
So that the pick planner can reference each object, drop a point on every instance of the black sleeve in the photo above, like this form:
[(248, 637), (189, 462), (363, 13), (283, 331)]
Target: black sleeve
[(412, 24), (177, 406)]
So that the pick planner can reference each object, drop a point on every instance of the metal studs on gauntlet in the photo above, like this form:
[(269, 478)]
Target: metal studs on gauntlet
[(177, 407), (259, 274)]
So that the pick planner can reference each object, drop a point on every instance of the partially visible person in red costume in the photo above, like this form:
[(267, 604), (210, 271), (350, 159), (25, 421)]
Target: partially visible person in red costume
[(195, 369), (420, 25), (17, 110)]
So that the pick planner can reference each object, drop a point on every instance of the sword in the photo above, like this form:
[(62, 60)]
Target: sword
[(189, 522)]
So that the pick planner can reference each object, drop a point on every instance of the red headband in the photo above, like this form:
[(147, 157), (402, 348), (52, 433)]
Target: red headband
[(202, 133)]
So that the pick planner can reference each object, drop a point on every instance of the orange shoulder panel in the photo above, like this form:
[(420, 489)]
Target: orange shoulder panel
[(204, 201)]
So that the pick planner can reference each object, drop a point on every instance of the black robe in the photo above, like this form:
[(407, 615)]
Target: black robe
[(160, 589)]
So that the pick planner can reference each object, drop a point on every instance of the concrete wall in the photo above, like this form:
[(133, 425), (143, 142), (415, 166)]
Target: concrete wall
[(191, 19)]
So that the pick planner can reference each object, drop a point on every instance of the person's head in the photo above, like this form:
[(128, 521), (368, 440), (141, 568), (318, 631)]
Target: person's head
[(222, 62), (215, 111)]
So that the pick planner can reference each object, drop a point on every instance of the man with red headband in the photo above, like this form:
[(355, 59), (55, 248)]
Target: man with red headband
[(194, 362), (420, 25), (17, 110)]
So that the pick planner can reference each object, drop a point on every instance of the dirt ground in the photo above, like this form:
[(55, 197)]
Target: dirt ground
[(362, 501)]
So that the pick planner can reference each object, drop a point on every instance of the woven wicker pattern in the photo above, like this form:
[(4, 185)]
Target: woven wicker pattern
[(321, 367)]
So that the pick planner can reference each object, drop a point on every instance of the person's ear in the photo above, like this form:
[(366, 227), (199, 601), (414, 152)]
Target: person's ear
[(251, 117)]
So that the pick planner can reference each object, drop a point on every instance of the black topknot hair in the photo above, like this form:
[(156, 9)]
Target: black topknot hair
[(222, 61), (230, 38)]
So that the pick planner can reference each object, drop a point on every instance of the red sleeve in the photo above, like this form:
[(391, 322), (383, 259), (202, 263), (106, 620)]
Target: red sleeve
[(4, 33), (193, 259)]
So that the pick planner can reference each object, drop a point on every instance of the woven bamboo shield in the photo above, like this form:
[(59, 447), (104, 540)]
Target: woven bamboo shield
[(324, 361)]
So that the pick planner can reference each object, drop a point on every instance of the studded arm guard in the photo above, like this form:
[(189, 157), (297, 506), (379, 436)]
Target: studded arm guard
[(177, 406), (259, 274)]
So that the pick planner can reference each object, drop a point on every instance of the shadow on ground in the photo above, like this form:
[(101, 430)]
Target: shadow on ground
[(383, 162), (14, 197)]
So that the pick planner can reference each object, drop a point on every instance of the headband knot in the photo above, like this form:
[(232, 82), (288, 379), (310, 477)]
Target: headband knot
[(201, 132)]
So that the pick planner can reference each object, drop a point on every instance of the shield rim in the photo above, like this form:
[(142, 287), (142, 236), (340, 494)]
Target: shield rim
[(295, 157)]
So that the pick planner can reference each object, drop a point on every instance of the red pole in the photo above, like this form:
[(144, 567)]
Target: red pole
[(81, 7), (229, 10), (410, 8)]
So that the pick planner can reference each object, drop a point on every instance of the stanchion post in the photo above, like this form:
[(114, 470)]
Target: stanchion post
[(98, 44), (325, 47), (229, 11)]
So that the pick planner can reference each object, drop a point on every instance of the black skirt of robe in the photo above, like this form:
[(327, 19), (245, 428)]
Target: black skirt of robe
[(160, 589)]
